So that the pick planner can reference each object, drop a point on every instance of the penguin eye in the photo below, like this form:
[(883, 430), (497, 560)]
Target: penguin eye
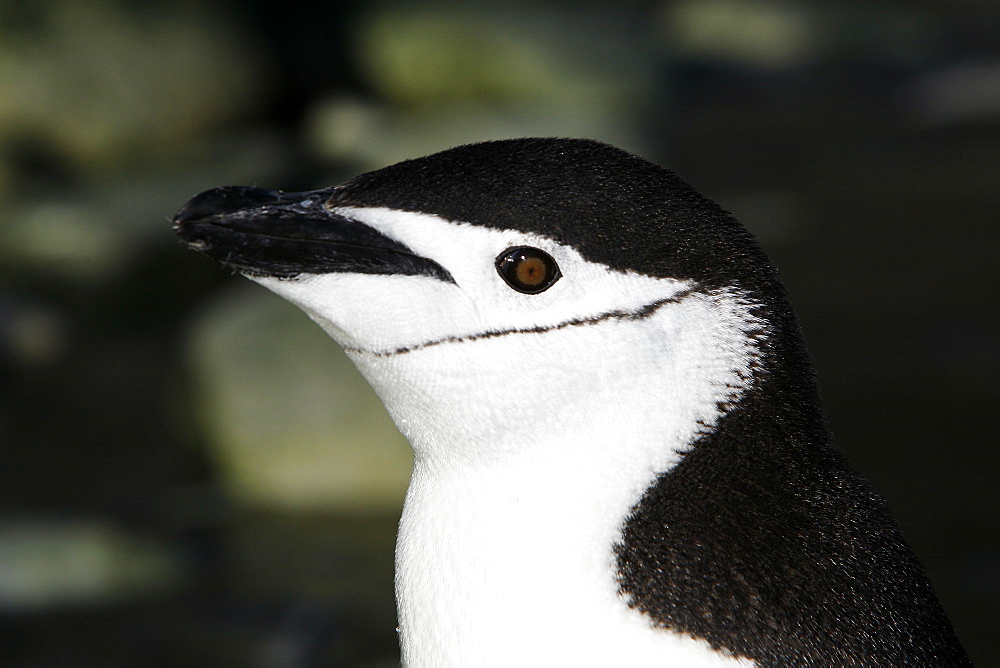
[(527, 269)]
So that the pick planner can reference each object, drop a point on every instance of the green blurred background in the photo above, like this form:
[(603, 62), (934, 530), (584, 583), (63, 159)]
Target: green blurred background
[(191, 472)]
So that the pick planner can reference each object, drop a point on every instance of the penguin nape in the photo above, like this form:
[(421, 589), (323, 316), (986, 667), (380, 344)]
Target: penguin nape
[(621, 457)]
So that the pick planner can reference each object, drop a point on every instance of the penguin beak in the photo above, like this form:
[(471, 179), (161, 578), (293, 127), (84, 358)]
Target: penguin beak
[(276, 234)]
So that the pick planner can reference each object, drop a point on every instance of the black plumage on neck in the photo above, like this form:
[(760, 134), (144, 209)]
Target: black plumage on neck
[(765, 543)]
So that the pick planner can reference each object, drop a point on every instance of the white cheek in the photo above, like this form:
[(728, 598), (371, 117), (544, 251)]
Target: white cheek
[(384, 313), (685, 357), (379, 312)]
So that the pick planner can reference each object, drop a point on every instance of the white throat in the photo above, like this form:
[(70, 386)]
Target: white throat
[(505, 553)]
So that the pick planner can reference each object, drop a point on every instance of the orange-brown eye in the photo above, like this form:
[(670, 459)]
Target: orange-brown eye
[(527, 269)]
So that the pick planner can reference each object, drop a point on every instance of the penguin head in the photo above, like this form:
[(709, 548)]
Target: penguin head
[(544, 279)]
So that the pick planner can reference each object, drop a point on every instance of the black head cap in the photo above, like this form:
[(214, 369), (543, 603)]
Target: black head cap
[(611, 206)]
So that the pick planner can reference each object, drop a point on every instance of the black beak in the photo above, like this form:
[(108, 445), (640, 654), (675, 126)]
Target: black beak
[(272, 233)]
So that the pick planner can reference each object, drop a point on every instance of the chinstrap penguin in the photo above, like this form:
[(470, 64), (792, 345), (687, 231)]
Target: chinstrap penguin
[(620, 453)]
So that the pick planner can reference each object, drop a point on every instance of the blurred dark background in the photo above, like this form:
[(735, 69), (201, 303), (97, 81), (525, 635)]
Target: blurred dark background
[(192, 474)]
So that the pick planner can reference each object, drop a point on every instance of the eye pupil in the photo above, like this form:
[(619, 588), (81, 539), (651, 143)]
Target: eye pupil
[(528, 270), (531, 271)]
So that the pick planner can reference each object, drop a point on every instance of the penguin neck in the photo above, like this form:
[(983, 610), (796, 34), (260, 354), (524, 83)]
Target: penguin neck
[(513, 511), (497, 561)]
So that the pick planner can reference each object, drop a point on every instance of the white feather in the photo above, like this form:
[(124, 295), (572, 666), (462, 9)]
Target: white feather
[(533, 446)]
